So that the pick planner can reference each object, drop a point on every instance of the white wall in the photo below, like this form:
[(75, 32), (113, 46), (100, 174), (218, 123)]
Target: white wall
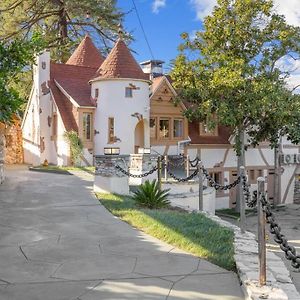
[(35, 122), (113, 103)]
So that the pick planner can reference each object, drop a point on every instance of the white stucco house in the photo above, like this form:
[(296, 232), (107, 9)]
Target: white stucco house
[(116, 104)]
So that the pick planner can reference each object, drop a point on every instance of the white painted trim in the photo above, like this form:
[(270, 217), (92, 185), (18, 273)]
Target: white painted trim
[(66, 94), (171, 88), (27, 106), (120, 79), (168, 83)]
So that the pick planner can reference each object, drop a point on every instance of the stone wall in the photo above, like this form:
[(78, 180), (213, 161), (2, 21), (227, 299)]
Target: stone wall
[(297, 191), (2, 127), (14, 144)]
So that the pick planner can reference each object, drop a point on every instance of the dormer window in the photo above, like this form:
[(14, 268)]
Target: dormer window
[(128, 92)]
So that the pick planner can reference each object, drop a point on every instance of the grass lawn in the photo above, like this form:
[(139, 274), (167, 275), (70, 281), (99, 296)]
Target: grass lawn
[(191, 232), (232, 213)]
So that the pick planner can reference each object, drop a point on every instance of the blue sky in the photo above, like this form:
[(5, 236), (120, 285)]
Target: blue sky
[(163, 26), (165, 20)]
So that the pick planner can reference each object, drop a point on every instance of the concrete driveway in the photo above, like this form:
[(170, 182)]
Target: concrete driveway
[(58, 243)]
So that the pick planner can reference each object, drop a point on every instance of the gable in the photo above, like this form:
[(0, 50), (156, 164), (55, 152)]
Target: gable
[(162, 99)]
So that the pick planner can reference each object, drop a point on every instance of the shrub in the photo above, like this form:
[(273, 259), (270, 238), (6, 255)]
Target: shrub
[(76, 146), (151, 196)]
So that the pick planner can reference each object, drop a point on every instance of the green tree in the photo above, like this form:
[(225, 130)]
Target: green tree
[(234, 72), (62, 21), (14, 57)]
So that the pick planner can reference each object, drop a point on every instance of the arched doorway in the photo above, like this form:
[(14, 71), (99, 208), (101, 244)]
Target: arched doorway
[(139, 137)]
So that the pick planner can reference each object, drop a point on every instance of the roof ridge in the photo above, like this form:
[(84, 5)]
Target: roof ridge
[(120, 63), (86, 54)]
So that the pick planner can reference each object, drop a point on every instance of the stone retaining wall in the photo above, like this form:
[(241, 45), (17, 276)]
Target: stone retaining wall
[(1, 153), (279, 284)]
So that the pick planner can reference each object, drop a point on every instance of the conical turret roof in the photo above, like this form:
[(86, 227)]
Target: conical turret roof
[(86, 54), (120, 64)]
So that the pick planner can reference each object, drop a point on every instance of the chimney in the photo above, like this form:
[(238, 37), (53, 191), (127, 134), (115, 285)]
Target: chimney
[(152, 67)]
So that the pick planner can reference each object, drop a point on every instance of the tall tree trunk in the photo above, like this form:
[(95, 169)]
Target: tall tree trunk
[(240, 162)]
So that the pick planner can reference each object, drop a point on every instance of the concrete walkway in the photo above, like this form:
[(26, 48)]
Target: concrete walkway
[(58, 243)]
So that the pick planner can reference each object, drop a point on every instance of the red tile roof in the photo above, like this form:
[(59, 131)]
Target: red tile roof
[(221, 139), (120, 64), (86, 54), (65, 107), (75, 81)]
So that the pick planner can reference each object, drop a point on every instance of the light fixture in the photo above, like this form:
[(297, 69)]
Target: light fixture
[(111, 151), (144, 151), (138, 116)]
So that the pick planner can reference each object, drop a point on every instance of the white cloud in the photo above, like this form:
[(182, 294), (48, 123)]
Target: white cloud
[(289, 8), (288, 64), (203, 7), (157, 5)]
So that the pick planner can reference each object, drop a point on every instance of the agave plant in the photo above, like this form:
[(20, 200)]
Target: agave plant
[(151, 196)]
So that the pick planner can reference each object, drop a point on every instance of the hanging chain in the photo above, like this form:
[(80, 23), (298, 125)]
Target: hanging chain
[(218, 186), (136, 175), (290, 251), (182, 179), (194, 162), (176, 161), (251, 202)]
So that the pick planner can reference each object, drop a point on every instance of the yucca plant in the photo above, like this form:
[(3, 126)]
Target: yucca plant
[(151, 196)]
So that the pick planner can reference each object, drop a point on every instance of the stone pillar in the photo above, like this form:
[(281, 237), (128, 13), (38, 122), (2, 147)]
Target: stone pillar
[(108, 180), (140, 164)]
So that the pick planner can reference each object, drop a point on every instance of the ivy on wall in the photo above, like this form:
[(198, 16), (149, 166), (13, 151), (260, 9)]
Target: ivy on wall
[(76, 146)]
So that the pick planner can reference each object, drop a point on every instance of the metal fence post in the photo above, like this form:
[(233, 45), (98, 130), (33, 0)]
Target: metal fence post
[(242, 201), (165, 168), (261, 232), (200, 176), (159, 171), (187, 166)]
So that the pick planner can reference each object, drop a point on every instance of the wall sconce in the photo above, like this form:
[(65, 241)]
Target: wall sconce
[(138, 116), (111, 151), (96, 132), (133, 87)]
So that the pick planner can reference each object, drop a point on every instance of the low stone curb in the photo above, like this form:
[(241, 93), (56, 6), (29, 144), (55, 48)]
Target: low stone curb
[(279, 284)]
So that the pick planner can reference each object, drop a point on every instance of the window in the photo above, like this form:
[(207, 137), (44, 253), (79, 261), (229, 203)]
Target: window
[(178, 128), (128, 92), (153, 128), (111, 130), (87, 126), (164, 128), (96, 93), (254, 174)]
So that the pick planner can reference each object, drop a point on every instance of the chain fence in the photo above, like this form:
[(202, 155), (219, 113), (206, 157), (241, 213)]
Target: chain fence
[(280, 239), (250, 199), (218, 186), (136, 175), (183, 179)]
